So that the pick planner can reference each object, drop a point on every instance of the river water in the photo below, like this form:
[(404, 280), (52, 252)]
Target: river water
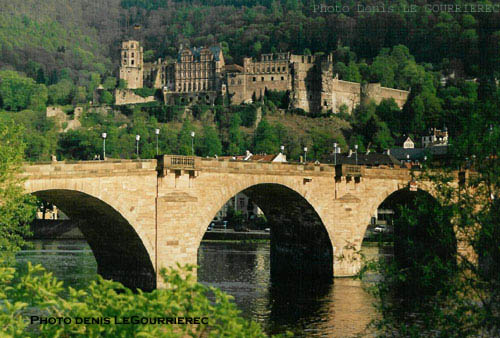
[(341, 308)]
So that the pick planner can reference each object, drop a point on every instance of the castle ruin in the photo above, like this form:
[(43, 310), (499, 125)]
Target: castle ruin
[(201, 75)]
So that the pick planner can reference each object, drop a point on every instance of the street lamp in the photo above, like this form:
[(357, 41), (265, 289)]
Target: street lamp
[(104, 135), (157, 132), (282, 149), (305, 154), (137, 139), (192, 142), (335, 153), (356, 147)]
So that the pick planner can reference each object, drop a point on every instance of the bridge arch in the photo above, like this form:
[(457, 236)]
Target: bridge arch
[(300, 241), (118, 248), (430, 228)]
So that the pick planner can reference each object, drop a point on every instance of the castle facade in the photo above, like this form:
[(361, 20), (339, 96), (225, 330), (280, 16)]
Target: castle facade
[(201, 75)]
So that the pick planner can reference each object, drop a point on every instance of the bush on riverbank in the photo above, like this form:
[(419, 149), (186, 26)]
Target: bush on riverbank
[(38, 293)]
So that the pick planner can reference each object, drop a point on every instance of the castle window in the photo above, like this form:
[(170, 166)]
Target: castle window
[(254, 79), (273, 69), (268, 69), (325, 103), (272, 78), (262, 78), (239, 81), (132, 54), (132, 46), (232, 82), (132, 62), (282, 78)]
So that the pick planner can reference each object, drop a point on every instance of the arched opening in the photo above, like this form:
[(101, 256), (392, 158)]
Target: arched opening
[(118, 250), (299, 242), (423, 240)]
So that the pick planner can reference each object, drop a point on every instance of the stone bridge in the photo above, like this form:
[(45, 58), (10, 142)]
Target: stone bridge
[(142, 215)]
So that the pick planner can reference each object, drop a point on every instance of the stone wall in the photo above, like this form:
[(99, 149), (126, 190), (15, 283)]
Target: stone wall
[(63, 122), (375, 92), (345, 93), (127, 96)]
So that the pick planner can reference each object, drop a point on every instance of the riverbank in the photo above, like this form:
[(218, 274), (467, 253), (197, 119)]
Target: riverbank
[(48, 229), (231, 235)]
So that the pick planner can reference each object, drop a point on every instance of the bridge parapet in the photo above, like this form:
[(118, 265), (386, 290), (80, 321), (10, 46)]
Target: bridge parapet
[(87, 168), (266, 167), (349, 170)]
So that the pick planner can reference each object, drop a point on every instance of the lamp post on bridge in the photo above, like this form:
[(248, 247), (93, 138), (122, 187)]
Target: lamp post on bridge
[(104, 135), (335, 153), (356, 147), (305, 154), (137, 139), (192, 142), (157, 132)]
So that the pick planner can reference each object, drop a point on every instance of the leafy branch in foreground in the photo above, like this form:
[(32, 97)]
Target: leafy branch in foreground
[(38, 293)]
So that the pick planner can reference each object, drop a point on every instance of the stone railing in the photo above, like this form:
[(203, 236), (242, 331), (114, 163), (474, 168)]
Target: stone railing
[(180, 162), (87, 168), (177, 162), (348, 170)]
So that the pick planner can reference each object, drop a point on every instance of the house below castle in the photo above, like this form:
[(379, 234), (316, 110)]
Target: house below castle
[(201, 75)]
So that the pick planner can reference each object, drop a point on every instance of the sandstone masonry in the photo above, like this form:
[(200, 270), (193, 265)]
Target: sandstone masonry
[(201, 75)]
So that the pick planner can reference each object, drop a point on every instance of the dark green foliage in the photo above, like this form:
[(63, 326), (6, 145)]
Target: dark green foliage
[(107, 98), (16, 208), (236, 141), (247, 113), (18, 92), (184, 139), (279, 99), (145, 92), (210, 145), (266, 140), (427, 290), (370, 129)]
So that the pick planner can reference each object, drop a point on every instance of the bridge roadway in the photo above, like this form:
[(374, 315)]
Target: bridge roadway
[(142, 215)]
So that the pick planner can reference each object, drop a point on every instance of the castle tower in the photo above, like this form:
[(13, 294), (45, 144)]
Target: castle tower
[(132, 64)]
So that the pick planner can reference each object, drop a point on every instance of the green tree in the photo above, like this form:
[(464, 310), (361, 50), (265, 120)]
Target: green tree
[(61, 92), (109, 83), (38, 98), (210, 145), (16, 208), (236, 140), (107, 97), (184, 138), (18, 92), (265, 138)]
